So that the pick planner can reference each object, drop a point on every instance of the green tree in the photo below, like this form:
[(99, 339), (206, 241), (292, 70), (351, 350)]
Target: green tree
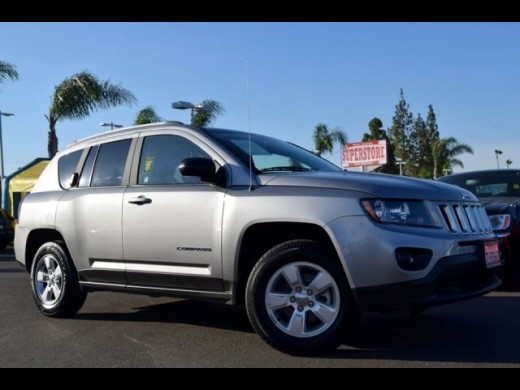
[(7, 71), (78, 96), (426, 140), (424, 134), (401, 130), (416, 158), (376, 133), (324, 139), (147, 115), (445, 152), (206, 115)]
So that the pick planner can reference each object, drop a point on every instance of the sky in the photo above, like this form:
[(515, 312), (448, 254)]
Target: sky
[(278, 79)]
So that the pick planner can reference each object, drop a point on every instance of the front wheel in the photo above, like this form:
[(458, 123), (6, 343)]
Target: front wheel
[(298, 298), (54, 282)]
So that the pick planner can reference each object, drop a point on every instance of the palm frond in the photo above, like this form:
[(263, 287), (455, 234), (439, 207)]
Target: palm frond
[(7, 71), (115, 95), (147, 115), (461, 149), (455, 162), (78, 96), (339, 136), (204, 117), (445, 153), (324, 139)]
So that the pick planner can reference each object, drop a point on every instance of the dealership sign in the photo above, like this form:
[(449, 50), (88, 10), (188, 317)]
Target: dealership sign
[(361, 154)]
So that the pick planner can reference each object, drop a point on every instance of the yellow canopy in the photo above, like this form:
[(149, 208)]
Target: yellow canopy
[(20, 183)]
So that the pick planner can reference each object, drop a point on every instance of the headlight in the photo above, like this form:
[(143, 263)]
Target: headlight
[(400, 212), (500, 222)]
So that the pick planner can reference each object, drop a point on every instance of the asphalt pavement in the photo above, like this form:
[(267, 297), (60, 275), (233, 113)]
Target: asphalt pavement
[(120, 330)]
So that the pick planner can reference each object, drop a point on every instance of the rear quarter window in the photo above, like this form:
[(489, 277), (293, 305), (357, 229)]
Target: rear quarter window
[(67, 166)]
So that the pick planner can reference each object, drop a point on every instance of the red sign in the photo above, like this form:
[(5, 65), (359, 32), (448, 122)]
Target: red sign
[(361, 154)]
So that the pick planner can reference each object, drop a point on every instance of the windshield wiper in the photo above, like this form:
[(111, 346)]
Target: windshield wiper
[(286, 169)]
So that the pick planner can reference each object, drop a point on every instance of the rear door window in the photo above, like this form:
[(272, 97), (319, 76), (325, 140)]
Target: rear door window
[(110, 164)]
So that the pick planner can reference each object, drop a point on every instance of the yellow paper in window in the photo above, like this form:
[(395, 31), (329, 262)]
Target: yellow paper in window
[(148, 164)]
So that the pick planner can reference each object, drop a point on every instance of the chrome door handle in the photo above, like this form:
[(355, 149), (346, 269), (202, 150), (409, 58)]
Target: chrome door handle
[(140, 200)]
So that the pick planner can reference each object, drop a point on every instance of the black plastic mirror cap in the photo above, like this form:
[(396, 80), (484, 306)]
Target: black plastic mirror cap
[(199, 167), (74, 180)]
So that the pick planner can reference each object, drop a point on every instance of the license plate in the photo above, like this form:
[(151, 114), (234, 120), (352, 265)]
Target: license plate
[(492, 253)]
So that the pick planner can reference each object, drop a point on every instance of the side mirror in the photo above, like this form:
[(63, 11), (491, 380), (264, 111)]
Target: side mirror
[(199, 167)]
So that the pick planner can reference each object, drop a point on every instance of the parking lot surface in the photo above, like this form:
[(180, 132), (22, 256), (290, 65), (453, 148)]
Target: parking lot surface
[(118, 330)]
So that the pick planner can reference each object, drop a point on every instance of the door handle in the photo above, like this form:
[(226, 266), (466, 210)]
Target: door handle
[(140, 200)]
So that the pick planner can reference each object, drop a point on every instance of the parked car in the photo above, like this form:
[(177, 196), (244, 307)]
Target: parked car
[(499, 191), (170, 209), (6, 229)]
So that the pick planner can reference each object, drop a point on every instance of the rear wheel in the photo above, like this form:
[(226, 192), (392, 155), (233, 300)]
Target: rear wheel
[(298, 298), (54, 282)]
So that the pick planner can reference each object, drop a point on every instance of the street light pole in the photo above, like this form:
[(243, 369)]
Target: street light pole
[(400, 162), (2, 145), (181, 105), (111, 124), (498, 153)]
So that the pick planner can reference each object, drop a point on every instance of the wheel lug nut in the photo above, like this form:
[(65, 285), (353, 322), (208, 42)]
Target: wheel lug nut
[(293, 299), (300, 309), (309, 292), (298, 290), (311, 304)]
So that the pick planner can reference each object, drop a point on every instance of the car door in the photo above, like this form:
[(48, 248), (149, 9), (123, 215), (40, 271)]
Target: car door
[(171, 224), (90, 214)]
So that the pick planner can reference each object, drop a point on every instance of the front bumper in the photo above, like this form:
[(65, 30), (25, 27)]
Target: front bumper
[(454, 278), (457, 269)]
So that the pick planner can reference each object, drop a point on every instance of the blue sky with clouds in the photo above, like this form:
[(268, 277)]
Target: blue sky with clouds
[(300, 74)]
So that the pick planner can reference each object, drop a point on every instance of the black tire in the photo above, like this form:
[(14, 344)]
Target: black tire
[(54, 282), (274, 324)]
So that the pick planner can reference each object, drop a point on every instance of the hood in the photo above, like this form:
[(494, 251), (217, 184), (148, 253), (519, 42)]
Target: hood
[(499, 205), (377, 185)]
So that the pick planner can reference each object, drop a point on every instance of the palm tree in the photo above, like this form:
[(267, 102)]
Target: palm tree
[(7, 71), (78, 96), (147, 115), (324, 139), (204, 116), (509, 162), (445, 152)]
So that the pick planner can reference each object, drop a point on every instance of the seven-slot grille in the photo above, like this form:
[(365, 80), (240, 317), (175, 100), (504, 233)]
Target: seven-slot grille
[(466, 218)]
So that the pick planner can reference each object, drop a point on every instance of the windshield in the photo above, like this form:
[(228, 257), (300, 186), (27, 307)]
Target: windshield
[(270, 154), (492, 184)]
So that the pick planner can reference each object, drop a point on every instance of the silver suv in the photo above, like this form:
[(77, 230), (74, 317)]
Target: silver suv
[(170, 209)]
